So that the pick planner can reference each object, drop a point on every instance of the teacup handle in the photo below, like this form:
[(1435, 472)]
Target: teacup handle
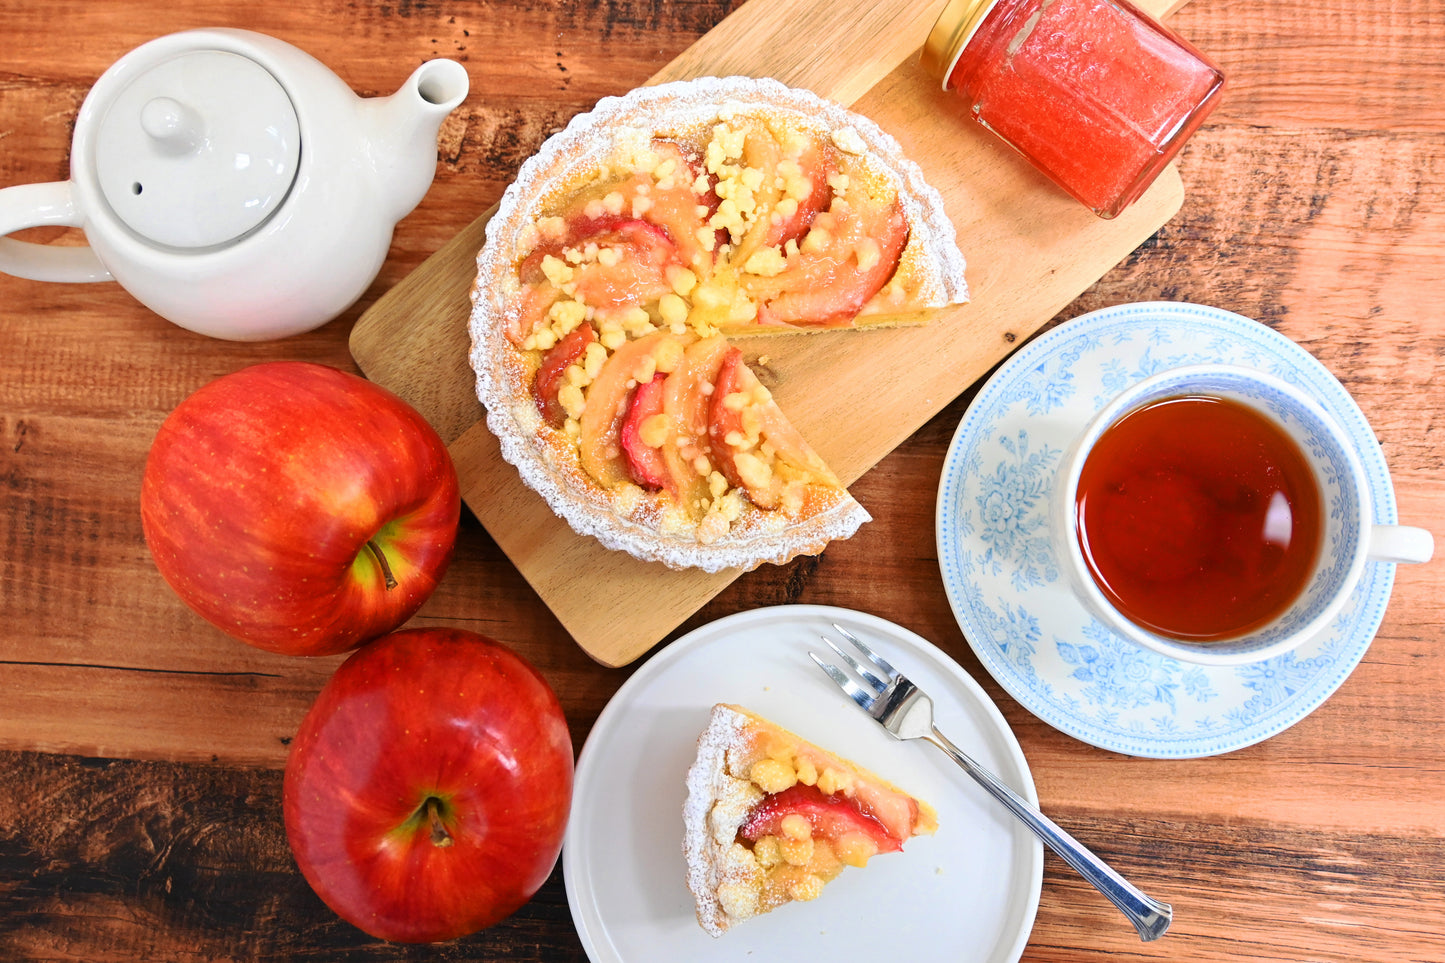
[(1401, 543), (34, 205)]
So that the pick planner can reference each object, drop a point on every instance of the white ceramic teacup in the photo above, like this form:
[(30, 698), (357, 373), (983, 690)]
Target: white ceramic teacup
[(1349, 538)]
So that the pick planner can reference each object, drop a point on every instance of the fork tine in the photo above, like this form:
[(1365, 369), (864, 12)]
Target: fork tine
[(873, 657), (854, 691), (863, 671)]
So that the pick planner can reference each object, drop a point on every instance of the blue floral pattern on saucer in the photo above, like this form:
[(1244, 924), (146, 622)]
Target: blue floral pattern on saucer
[(1012, 599)]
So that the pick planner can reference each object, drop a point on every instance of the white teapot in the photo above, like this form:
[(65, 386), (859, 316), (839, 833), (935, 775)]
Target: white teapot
[(233, 184)]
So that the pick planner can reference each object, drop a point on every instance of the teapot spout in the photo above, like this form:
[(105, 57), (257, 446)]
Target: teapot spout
[(403, 131)]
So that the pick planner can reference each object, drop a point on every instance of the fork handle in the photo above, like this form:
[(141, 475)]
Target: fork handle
[(1149, 916)]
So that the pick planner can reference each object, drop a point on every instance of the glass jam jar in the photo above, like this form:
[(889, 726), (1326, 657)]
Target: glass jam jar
[(1095, 93)]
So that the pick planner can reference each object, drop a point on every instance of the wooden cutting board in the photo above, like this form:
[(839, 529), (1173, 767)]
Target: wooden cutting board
[(855, 395)]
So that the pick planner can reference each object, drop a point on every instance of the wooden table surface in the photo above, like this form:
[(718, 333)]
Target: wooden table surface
[(1314, 202)]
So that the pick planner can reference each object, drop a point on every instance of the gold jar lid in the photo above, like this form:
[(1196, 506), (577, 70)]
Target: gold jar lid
[(950, 34)]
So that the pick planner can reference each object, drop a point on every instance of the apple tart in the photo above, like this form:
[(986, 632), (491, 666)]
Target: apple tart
[(628, 252), (771, 818)]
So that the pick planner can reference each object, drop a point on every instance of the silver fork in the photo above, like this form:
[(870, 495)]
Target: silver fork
[(907, 713)]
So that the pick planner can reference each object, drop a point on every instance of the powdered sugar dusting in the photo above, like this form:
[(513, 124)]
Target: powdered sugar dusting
[(716, 807)]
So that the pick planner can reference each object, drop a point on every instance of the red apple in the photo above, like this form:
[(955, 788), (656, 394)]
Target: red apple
[(299, 508), (427, 791)]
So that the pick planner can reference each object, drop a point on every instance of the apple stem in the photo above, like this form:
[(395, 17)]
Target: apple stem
[(439, 834), (381, 560)]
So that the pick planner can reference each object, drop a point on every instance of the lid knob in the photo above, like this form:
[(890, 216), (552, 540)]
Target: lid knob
[(176, 128)]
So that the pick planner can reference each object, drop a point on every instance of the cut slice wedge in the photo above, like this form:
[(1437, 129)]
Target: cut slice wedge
[(771, 818)]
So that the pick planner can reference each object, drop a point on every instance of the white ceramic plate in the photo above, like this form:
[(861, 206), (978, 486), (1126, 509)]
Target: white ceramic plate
[(1011, 598), (967, 893)]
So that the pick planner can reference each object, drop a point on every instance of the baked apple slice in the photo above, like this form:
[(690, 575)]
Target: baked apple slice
[(618, 244), (642, 434), (675, 203), (663, 194), (806, 180), (792, 173), (614, 263), (607, 261), (687, 452), (552, 375), (849, 253), (599, 441), (835, 817), (629, 266)]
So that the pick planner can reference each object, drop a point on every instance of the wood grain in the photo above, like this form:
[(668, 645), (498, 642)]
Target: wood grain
[(1032, 249), (1313, 201)]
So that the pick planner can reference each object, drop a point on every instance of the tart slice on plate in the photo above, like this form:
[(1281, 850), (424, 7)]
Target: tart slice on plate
[(628, 250), (771, 818)]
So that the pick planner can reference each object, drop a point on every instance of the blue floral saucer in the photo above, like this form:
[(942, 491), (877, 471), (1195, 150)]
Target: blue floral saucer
[(1012, 599)]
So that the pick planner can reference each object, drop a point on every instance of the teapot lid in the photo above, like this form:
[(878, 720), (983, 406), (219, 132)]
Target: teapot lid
[(198, 150)]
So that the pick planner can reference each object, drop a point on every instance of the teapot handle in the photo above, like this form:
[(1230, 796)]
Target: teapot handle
[(34, 205)]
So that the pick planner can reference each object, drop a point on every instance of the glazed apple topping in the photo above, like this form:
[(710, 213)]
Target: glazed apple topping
[(818, 798), (806, 812), (552, 377), (627, 284), (675, 414), (676, 216), (642, 434)]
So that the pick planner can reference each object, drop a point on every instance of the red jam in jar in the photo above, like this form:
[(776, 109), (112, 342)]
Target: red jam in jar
[(1095, 93)]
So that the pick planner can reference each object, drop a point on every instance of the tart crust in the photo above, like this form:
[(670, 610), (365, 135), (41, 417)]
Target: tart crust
[(639, 519), (727, 876)]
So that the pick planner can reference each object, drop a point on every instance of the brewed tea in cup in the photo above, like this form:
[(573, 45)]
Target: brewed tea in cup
[(1218, 515)]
